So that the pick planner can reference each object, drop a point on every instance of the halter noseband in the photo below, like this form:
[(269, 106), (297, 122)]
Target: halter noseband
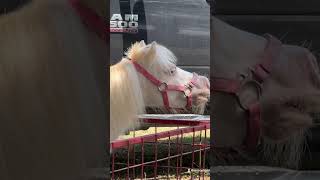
[(255, 76), (163, 87)]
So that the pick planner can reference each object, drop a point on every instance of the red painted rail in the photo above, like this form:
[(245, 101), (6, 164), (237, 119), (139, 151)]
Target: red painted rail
[(171, 153)]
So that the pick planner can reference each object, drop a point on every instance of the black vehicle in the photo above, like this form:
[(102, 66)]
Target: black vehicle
[(183, 26)]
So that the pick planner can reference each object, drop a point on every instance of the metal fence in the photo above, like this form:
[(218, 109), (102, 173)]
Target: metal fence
[(179, 152)]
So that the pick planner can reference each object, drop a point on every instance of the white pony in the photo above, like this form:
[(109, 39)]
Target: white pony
[(131, 91), (286, 98)]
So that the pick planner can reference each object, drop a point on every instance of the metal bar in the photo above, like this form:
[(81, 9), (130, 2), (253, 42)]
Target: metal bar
[(181, 122), (142, 160), (204, 152), (181, 151), (128, 162), (177, 159), (192, 163), (113, 157), (200, 164), (159, 160), (134, 156), (156, 157), (196, 146), (137, 140), (169, 146)]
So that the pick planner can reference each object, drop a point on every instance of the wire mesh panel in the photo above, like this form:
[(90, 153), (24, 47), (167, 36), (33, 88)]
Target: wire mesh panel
[(179, 152)]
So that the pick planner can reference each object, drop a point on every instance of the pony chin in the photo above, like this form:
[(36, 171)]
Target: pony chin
[(286, 153), (200, 100)]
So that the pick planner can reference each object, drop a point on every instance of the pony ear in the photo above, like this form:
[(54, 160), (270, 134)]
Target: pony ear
[(153, 47), (142, 43), (149, 51)]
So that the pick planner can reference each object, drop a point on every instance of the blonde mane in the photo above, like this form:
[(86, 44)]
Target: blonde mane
[(53, 106), (126, 100), (162, 56)]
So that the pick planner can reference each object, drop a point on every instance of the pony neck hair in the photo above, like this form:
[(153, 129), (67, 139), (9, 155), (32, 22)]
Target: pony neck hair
[(126, 100)]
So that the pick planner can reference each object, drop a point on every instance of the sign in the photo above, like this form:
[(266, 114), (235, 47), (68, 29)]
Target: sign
[(127, 24)]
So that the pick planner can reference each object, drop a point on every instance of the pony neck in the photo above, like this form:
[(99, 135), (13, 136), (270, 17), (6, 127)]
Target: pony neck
[(232, 45), (99, 6)]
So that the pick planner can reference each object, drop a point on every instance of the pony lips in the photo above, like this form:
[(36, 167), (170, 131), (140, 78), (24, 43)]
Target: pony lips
[(163, 87), (256, 76)]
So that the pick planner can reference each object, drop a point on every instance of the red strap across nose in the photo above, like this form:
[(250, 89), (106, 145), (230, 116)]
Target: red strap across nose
[(164, 87)]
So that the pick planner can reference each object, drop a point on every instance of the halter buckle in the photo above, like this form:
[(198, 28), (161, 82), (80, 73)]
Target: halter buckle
[(163, 86), (188, 90), (247, 80)]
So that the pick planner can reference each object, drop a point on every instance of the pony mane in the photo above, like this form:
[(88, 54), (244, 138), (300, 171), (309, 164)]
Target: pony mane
[(126, 100), (159, 56)]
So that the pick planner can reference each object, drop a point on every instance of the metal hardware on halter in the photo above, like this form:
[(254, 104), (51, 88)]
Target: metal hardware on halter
[(248, 79), (188, 88), (163, 87), (256, 76)]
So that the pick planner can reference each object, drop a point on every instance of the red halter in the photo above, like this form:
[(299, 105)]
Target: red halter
[(163, 87), (93, 21), (257, 76)]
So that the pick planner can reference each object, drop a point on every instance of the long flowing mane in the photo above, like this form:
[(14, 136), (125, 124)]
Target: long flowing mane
[(53, 110), (126, 100)]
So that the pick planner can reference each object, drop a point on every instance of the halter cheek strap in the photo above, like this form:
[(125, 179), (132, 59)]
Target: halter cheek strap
[(260, 72), (163, 87)]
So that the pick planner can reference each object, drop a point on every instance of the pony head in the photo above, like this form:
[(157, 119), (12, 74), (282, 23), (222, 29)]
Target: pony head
[(287, 98), (160, 62)]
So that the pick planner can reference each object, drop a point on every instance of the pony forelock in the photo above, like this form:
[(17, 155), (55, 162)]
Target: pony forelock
[(162, 56)]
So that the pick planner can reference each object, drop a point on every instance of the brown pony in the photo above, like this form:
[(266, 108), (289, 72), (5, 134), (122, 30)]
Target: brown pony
[(53, 95)]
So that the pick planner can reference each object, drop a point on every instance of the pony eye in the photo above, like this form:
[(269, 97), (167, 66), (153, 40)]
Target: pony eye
[(173, 71)]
